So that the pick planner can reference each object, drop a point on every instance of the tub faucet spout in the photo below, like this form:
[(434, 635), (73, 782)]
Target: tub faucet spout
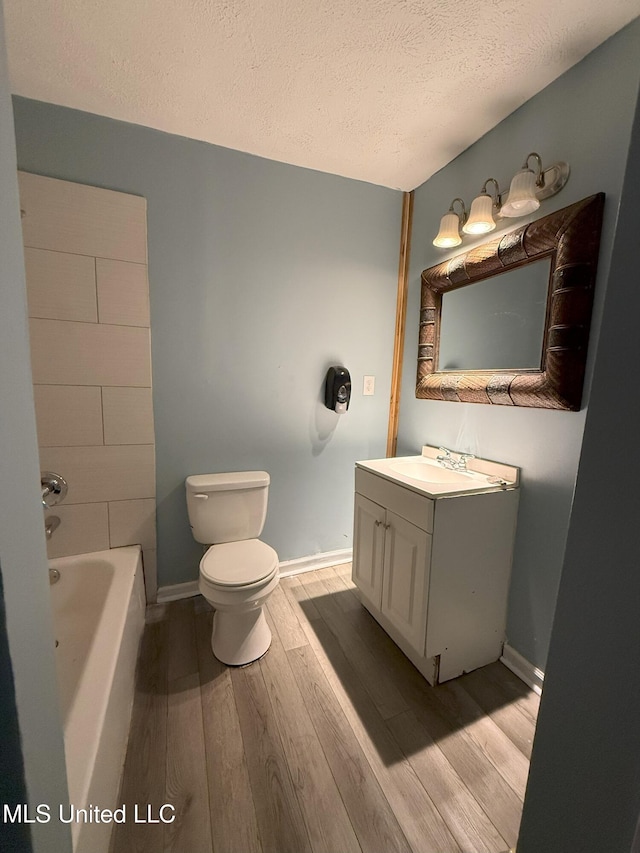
[(52, 523)]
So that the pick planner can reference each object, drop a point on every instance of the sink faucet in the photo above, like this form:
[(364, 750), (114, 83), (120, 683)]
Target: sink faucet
[(447, 460), (461, 464)]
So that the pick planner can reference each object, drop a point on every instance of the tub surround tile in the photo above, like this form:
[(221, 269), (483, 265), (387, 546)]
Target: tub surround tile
[(108, 473), (128, 415), (69, 353), (61, 286), (83, 528), (133, 523), (68, 415), (83, 220), (88, 296), (123, 293)]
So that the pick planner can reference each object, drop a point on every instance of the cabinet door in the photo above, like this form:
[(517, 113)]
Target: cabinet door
[(368, 548), (407, 556)]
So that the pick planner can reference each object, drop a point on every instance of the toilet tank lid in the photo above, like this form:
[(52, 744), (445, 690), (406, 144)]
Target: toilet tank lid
[(230, 480)]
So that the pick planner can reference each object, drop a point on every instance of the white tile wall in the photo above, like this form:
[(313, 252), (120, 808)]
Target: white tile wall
[(82, 220), (61, 286), (68, 415), (83, 528), (128, 415), (133, 521), (123, 292), (88, 293), (69, 353), (103, 473)]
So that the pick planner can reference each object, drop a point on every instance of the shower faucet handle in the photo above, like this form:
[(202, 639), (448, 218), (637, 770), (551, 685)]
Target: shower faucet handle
[(54, 488)]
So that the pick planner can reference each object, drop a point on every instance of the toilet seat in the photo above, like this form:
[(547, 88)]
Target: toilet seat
[(243, 564)]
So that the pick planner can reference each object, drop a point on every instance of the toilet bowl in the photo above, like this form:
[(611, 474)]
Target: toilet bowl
[(238, 572), (237, 578)]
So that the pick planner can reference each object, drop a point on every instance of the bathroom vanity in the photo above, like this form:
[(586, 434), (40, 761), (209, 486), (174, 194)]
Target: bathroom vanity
[(432, 552)]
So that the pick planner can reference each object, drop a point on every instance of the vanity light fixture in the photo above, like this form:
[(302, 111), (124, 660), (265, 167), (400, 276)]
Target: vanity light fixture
[(449, 233), (522, 192), (483, 207), (528, 188)]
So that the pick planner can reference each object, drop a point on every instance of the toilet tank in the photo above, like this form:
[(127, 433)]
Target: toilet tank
[(227, 507)]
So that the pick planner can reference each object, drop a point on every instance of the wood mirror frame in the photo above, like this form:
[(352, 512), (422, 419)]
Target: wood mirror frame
[(571, 238)]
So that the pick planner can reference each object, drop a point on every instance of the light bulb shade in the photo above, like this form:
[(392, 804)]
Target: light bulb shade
[(449, 233), (522, 195), (480, 219)]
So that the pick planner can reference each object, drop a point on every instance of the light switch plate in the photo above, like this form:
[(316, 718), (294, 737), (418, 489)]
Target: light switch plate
[(369, 386)]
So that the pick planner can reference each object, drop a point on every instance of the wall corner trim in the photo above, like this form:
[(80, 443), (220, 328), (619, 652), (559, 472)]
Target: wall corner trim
[(521, 667), (401, 317)]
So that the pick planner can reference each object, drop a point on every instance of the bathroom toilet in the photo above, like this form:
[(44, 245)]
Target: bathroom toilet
[(238, 573)]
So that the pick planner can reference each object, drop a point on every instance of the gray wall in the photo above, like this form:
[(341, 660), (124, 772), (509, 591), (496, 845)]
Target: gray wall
[(584, 784), (13, 790), (261, 276), (584, 117), (25, 580)]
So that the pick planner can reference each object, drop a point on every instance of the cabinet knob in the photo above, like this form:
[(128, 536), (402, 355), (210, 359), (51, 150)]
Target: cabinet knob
[(377, 523)]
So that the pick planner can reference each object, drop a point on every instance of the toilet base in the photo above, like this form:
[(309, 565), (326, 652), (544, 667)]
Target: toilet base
[(240, 638)]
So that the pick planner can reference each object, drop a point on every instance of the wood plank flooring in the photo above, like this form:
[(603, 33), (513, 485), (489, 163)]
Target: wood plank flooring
[(332, 743)]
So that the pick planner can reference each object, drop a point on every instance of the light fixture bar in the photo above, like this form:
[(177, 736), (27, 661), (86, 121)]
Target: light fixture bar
[(528, 188), (553, 180)]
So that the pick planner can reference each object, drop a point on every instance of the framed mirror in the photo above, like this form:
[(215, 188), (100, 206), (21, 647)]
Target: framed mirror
[(507, 322)]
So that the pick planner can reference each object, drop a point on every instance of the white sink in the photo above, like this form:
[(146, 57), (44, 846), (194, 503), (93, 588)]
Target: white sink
[(425, 475), (429, 472)]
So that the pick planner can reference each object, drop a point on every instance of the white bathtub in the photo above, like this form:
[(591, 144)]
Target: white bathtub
[(98, 616)]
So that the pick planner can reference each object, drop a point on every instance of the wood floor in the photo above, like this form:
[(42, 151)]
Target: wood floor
[(332, 743)]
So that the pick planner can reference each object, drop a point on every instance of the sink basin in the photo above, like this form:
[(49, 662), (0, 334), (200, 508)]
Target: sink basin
[(428, 473), (423, 474)]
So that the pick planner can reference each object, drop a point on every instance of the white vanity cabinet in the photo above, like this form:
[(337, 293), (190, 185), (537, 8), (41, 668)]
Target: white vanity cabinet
[(391, 559), (434, 570)]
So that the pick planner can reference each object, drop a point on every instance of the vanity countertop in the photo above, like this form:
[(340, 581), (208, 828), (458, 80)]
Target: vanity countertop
[(424, 475)]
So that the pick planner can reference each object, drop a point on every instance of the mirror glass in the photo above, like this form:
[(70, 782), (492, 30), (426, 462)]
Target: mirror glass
[(497, 323)]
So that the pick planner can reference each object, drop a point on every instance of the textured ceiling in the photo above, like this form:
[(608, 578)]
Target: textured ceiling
[(386, 91)]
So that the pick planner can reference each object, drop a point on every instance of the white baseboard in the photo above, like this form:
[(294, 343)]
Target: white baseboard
[(176, 591), (521, 667), (315, 561)]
